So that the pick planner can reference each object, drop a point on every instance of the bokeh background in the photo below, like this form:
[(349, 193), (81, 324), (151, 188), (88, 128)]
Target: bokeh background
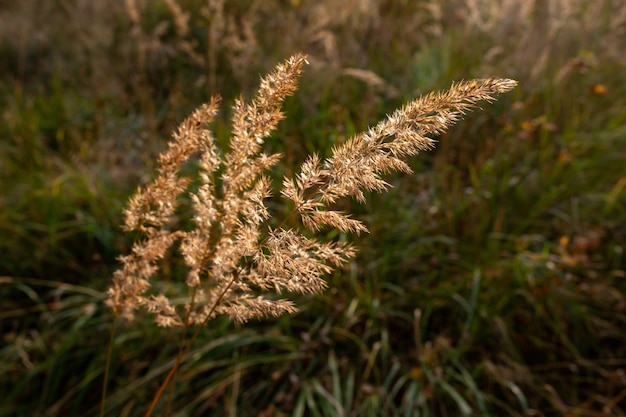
[(493, 281)]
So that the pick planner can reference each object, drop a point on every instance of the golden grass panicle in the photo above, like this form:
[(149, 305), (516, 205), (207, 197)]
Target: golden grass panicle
[(358, 165), (237, 265)]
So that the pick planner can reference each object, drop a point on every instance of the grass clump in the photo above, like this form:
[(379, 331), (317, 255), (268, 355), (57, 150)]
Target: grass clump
[(238, 260)]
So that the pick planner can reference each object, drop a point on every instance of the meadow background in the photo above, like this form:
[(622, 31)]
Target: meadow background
[(493, 281)]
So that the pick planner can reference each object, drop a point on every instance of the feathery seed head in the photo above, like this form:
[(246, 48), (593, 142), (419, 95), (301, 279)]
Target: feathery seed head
[(238, 265)]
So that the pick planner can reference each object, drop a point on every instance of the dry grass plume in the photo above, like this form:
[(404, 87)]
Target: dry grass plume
[(237, 264)]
